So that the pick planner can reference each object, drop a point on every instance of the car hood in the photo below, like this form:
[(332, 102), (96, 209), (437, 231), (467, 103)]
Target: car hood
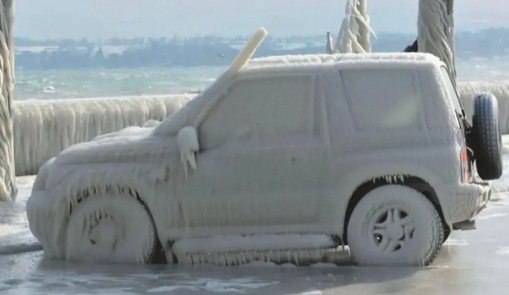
[(128, 145)]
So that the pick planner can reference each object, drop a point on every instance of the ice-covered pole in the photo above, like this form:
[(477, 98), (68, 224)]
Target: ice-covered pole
[(354, 35), (8, 189), (329, 48), (436, 31), (362, 19)]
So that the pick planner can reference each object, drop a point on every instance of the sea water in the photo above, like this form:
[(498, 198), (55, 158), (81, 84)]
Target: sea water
[(149, 81)]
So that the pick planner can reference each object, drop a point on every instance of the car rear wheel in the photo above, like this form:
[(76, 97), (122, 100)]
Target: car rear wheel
[(395, 225)]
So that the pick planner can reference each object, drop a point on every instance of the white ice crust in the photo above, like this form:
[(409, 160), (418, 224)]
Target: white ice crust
[(187, 142), (353, 37), (268, 176), (43, 128), (230, 249), (108, 223), (418, 233)]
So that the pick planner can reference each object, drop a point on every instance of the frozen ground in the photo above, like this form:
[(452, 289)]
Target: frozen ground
[(14, 232), (471, 263)]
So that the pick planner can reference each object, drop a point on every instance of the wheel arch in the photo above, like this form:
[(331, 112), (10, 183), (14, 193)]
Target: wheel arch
[(159, 256), (415, 182)]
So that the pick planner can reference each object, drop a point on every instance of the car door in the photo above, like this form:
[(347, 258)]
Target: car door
[(262, 156)]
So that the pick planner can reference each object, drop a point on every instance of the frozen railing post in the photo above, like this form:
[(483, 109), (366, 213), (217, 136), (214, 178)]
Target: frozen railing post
[(8, 189), (364, 30), (329, 48), (436, 31), (354, 35)]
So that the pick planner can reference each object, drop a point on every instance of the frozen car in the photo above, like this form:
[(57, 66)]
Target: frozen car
[(282, 156)]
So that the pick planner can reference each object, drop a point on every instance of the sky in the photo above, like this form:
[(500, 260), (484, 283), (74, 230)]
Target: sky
[(98, 19)]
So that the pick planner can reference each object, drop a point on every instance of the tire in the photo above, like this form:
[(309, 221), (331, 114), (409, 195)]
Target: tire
[(112, 229), (447, 233), (414, 237), (488, 140)]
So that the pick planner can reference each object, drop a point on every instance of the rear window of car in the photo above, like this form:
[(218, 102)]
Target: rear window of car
[(381, 99), (451, 90)]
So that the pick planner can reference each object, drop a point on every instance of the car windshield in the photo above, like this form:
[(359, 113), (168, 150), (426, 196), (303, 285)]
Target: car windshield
[(452, 91)]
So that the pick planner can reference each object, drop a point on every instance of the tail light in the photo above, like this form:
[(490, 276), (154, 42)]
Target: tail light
[(465, 165)]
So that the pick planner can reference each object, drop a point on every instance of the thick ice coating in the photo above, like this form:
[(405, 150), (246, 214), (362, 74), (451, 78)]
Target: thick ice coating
[(42, 129), (276, 146), (40, 135), (187, 141), (136, 159)]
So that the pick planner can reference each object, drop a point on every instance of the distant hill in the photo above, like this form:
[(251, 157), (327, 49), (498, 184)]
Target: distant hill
[(215, 50)]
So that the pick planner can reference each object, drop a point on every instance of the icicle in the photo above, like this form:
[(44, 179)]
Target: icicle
[(187, 141)]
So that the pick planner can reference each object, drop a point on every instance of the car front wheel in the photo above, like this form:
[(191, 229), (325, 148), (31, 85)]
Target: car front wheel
[(110, 228)]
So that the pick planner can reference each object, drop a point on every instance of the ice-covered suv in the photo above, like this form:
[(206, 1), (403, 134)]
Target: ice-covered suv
[(282, 156)]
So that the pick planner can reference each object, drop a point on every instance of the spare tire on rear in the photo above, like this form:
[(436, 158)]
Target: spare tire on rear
[(488, 140)]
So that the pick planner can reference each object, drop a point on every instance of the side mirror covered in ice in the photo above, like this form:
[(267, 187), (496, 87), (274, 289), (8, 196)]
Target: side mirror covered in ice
[(187, 143)]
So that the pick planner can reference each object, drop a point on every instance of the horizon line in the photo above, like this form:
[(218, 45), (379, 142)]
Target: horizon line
[(278, 36)]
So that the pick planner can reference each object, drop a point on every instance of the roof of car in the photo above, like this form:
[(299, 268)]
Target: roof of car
[(342, 60)]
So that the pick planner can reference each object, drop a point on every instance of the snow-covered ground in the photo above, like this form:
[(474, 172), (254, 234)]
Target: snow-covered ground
[(472, 262), (15, 235)]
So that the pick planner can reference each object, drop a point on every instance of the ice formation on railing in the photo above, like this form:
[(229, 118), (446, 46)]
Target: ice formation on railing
[(43, 128)]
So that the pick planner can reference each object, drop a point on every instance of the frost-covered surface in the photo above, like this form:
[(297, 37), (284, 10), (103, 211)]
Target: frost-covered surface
[(43, 128), (480, 256), (139, 162), (8, 190), (237, 249), (408, 232), (40, 135), (187, 142), (354, 35), (269, 105), (14, 233), (287, 151), (436, 31), (114, 228), (265, 66)]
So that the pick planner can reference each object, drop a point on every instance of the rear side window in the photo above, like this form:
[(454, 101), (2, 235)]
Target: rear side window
[(381, 99), (451, 90)]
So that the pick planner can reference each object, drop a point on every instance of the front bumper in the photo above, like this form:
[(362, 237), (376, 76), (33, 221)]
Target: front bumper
[(43, 216), (465, 201)]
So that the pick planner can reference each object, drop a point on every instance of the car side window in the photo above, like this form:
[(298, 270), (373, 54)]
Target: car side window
[(261, 107), (381, 99)]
